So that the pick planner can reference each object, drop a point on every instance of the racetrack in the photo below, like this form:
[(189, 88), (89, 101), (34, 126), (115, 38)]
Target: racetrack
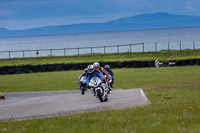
[(27, 105)]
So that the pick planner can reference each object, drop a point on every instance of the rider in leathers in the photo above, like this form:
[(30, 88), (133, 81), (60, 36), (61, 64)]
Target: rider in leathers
[(104, 72), (83, 74), (93, 73), (107, 67), (100, 69)]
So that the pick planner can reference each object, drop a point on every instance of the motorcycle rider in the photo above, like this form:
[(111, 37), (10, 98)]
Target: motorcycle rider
[(85, 73), (107, 68), (93, 73), (103, 71), (100, 69)]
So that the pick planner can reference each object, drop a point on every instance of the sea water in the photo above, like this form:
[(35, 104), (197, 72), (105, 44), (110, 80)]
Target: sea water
[(164, 38)]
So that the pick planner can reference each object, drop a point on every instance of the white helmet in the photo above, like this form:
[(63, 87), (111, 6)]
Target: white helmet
[(96, 65), (90, 68)]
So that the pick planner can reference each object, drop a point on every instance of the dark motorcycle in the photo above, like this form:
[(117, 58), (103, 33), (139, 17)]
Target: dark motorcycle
[(82, 84)]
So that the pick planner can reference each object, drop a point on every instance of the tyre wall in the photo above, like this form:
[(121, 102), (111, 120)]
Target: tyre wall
[(27, 69), (81, 66), (51, 67), (44, 67), (60, 67), (35, 68), (3, 70), (19, 69)]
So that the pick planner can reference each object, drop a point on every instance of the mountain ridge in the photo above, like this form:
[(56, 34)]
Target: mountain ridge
[(143, 21)]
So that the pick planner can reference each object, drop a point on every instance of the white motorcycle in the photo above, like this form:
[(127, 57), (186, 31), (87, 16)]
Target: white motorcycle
[(99, 89)]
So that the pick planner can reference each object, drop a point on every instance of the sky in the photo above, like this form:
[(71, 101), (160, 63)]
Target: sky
[(24, 14)]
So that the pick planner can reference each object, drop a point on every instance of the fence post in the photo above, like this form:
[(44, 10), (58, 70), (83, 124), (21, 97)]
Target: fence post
[(37, 53), (9, 54), (64, 51), (78, 51), (168, 46), (180, 45), (117, 48), (23, 54), (91, 50), (50, 52), (155, 46), (104, 49), (143, 47), (130, 49), (193, 45)]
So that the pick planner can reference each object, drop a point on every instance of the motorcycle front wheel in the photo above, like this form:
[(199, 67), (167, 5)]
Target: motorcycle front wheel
[(100, 95), (83, 88)]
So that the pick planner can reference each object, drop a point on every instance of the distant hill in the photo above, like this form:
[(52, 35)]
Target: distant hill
[(144, 21)]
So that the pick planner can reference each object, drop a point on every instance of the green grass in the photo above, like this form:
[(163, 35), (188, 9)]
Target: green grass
[(161, 55), (124, 78), (173, 91)]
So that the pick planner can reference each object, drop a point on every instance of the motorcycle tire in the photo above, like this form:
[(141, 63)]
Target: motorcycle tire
[(2, 97), (106, 99), (108, 90), (99, 94), (83, 88)]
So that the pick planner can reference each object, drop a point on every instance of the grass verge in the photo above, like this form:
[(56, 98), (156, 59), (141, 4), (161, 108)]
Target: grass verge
[(161, 55), (173, 91)]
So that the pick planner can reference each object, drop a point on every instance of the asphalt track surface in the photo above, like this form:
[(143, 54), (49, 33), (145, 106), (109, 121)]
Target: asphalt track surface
[(28, 105)]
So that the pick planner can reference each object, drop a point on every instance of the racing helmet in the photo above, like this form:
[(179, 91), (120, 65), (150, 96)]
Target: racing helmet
[(90, 68), (96, 65), (107, 67), (86, 70)]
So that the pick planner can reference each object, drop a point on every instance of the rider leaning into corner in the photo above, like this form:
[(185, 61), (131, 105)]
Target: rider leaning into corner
[(85, 73), (104, 72), (100, 69), (93, 73), (107, 67)]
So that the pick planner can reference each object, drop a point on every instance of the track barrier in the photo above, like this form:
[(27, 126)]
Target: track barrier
[(27, 68), (44, 67), (51, 67), (19, 69), (121, 64), (81, 66), (67, 66), (75, 66), (60, 67), (198, 61), (35, 68)]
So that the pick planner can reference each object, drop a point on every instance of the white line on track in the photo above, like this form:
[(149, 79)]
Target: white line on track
[(144, 96)]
